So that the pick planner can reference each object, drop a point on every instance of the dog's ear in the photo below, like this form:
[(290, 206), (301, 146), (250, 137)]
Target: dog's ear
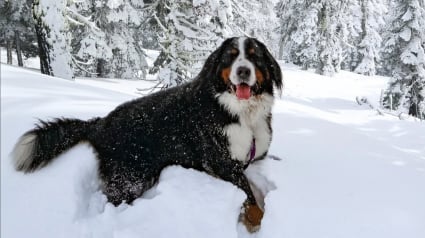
[(276, 71), (272, 67)]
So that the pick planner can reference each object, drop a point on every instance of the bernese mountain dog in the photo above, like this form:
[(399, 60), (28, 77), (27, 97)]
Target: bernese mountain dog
[(216, 123)]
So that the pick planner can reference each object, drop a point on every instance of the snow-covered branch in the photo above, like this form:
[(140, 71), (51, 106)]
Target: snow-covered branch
[(82, 20)]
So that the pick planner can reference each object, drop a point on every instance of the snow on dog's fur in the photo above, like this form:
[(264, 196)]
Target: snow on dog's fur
[(210, 124)]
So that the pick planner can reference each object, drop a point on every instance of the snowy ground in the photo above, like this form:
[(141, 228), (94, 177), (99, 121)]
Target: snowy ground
[(346, 171)]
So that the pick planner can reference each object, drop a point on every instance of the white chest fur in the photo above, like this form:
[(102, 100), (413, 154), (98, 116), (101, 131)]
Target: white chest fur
[(252, 124)]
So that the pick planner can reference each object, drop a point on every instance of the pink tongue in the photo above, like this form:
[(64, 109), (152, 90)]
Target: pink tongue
[(243, 91)]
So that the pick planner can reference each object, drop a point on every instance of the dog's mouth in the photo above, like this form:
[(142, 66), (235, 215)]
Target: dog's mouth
[(243, 91)]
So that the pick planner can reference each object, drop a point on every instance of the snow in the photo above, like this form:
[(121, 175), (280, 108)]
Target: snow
[(414, 53), (345, 170), (407, 16), (114, 3), (406, 34)]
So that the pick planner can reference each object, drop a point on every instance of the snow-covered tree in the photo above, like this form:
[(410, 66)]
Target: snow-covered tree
[(89, 47), (315, 33), (331, 37), (190, 30), (260, 25), (8, 16), (111, 46), (16, 29), (404, 56), (369, 48), (290, 19), (353, 32), (53, 37), (303, 40)]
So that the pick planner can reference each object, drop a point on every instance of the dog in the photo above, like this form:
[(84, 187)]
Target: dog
[(217, 123)]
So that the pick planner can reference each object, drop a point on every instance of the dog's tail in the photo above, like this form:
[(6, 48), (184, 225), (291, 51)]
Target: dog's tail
[(38, 147)]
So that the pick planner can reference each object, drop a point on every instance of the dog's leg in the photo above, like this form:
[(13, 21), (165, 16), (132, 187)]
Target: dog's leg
[(121, 183), (232, 171), (127, 189)]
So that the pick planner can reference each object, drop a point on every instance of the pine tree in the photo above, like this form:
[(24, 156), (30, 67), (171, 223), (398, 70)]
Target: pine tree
[(331, 37), (290, 14), (114, 50), (304, 51), (259, 25), (405, 57), (370, 45), (353, 34), (89, 46), (189, 32), (90, 38), (16, 28), (314, 33), (51, 28), (6, 13), (8, 18)]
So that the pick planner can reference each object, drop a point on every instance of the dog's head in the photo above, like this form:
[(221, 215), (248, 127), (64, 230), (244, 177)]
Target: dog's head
[(243, 67)]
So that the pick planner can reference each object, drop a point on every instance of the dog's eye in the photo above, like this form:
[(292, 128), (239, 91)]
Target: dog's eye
[(251, 51), (233, 51)]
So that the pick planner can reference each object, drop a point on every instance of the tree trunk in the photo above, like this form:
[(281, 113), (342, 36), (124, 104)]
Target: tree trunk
[(43, 51), (9, 51), (413, 110), (281, 43), (18, 49), (100, 68), (43, 47)]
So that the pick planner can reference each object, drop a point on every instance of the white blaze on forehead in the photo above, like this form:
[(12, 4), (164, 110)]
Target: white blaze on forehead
[(242, 61), (241, 48)]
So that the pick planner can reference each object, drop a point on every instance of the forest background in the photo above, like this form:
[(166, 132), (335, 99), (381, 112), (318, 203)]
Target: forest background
[(109, 38)]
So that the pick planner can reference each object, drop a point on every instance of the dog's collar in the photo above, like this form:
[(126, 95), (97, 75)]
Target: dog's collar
[(251, 154)]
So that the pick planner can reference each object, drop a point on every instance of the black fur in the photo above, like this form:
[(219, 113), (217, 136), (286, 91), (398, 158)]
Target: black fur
[(178, 126)]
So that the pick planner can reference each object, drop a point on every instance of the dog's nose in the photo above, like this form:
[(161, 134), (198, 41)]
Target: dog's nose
[(243, 72)]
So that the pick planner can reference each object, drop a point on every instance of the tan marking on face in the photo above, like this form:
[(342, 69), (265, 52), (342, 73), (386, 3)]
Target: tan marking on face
[(234, 51), (251, 51), (225, 73), (259, 76)]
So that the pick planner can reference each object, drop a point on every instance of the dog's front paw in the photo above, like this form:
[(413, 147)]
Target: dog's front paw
[(251, 217)]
